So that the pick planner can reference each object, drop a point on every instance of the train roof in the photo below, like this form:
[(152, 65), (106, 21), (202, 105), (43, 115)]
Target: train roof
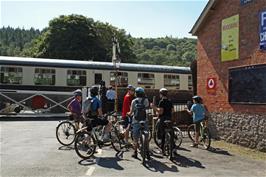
[(42, 62)]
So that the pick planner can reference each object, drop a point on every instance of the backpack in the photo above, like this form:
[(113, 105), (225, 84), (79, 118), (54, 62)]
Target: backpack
[(87, 108), (140, 110)]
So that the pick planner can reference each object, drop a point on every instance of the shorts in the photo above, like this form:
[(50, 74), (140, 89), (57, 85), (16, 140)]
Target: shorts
[(97, 121), (76, 118), (136, 129), (126, 121), (197, 125)]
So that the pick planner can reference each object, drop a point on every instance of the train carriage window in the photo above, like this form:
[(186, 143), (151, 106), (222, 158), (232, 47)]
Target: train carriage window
[(172, 81), (146, 79), (11, 75), (122, 79), (76, 77), (190, 84), (44, 76), (97, 78)]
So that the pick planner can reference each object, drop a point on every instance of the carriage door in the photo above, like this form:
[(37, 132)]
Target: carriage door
[(97, 78)]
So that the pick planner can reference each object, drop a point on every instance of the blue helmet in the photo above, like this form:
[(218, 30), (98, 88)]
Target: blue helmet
[(139, 90), (77, 92)]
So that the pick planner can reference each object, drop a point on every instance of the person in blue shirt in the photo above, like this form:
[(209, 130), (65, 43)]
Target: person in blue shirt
[(198, 112), (95, 113)]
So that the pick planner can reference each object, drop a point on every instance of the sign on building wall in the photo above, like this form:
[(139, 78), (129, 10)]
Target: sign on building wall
[(211, 85), (263, 30), (230, 38), (243, 2)]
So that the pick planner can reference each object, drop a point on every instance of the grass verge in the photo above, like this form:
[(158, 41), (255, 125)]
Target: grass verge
[(240, 150)]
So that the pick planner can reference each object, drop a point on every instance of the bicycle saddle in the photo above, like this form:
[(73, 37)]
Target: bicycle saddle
[(142, 122)]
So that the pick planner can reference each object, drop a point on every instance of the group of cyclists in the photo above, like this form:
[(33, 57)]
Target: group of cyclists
[(134, 108)]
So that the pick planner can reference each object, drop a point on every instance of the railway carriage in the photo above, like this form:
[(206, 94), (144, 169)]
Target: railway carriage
[(57, 75)]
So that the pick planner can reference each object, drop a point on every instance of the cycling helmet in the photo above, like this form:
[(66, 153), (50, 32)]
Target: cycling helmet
[(94, 90), (197, 98), (77, 92), (130, 87), (163, 91), (139, 90)]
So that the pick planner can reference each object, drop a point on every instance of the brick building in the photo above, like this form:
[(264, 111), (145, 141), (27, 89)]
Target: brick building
[(231, 69)]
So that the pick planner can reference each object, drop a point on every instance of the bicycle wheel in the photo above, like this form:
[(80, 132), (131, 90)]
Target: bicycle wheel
[(85, 145), (156, 138), (150, 134), (178, 137), (117, 139), (65, 133), (191, 132), (168, 149), (143, 147), (206, 138)]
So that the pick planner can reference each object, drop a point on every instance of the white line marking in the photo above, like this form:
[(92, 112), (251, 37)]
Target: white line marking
[(90, 171), (99, 151)]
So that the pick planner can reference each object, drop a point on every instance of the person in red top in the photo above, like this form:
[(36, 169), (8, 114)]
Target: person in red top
[(126, 108)]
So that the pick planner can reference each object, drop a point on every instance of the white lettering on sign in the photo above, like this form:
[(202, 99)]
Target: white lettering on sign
[(263, 18), (263, 36)]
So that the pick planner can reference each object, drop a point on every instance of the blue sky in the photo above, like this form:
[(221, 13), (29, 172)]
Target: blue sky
[(139, 18)]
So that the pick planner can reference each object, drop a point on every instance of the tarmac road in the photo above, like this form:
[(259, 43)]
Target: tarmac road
[(30, 148)]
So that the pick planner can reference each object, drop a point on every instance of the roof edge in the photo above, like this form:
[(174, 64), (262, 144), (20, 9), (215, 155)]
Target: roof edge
[(202, 16)]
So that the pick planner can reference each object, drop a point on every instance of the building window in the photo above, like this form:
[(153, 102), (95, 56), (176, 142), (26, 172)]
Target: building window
[(146, 79), (172, 81), (11, 75), (98, 78), (44, 76), (190, 83), (122, 79), (76, 77)]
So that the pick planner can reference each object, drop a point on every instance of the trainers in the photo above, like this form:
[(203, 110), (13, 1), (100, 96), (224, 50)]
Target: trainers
[(194, 145), (135, 155)]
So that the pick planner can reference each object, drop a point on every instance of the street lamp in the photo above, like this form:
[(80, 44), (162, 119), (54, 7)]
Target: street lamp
[(116, 62)]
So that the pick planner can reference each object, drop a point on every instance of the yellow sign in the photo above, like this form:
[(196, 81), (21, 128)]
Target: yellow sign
[(230, 38)]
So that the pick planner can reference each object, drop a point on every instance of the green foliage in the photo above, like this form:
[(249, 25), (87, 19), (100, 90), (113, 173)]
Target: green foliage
[(13, 41), (80, 38), (165, 51)]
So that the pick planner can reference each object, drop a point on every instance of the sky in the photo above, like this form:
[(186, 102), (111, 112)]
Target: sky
[(138, 17)]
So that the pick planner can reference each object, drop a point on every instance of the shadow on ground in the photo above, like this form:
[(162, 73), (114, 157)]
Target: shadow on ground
[(219, 151), (183, 161)]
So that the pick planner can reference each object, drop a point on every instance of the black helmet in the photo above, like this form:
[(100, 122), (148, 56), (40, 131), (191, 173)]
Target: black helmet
[(163, 91), (94, 90)]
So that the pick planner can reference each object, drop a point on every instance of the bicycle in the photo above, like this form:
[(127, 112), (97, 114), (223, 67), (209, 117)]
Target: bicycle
[(204, 137), (66, 132), (178, 137), (169, 139), (87, 141), (144, 150)]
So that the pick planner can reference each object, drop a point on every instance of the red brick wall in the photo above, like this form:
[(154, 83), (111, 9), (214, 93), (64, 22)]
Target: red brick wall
[(209, 53)]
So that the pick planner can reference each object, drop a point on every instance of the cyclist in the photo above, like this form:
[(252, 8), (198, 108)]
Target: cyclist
[(136, 112), (164, 111), (198, 112), (94, 112), (75, 108), (126, 108)]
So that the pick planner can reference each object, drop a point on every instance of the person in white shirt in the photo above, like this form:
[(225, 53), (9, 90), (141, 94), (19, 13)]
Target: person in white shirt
[(110, 94)]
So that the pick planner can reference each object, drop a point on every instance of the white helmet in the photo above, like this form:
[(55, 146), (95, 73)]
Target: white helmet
[(163, 91)]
